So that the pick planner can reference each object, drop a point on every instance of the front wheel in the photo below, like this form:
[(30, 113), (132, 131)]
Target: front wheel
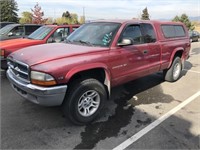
[(84, 101), (174, 72)]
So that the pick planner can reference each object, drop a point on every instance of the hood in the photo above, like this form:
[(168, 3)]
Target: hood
[(47, 52), (6, 37), (3, 37), (13, 43)]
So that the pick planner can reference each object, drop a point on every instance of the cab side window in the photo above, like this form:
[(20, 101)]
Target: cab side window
[(134, 33), (17, 31), (59, 35), (66, 33), (149, 33), (30, 29)]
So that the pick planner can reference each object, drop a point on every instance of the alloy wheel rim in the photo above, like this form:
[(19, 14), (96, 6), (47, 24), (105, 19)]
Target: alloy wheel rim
[(176, 71), (88, 103)]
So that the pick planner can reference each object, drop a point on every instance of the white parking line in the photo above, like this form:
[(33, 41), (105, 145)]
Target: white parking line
[(194, 53), (191, 71), (144, 131)]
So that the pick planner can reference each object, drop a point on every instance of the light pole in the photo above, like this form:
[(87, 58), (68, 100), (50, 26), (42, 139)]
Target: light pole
[(84, 14)]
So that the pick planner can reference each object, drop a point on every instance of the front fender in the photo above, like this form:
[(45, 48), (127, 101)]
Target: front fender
[(86, 67)]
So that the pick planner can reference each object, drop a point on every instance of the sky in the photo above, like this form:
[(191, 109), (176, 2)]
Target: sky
[(114, 9)]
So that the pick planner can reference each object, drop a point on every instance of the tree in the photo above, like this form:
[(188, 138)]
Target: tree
[(50, 20), (82, 20), (8, 11), (38, 15), (176, 19), (66, 15), (26, 17), (62, 20), (74, 18), (145, 15), (184, 19), (70, 18)]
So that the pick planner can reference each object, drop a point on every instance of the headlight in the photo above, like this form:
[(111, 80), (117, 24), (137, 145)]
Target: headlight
[(41, 78), (2, 53)]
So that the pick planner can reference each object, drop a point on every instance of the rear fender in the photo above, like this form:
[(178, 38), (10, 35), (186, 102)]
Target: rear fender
[(179, 49)]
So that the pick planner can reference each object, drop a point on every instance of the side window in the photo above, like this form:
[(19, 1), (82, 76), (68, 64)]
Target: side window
[(169, 31), (17, 31), (149, 33), (194, 33), (134, 33), (30, 29), (66, 33), (58, 35), (173, 31), (179, 31)]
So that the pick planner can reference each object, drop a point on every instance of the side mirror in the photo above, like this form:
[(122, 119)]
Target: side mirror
[(10, 34), (125, 42)]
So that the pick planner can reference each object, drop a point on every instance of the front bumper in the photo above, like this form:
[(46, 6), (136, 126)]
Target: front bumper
[(46, 96)]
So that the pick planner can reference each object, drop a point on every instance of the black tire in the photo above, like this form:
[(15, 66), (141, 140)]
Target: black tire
[(80, 95), (174, 72)]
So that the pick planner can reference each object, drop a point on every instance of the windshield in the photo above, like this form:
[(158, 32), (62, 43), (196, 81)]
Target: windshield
[(6, 29), (94, 34), (40, 33)]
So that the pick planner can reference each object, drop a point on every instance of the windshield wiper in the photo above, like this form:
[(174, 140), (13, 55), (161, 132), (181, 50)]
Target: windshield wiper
[(68, 41), (84, 42), (28, 37)]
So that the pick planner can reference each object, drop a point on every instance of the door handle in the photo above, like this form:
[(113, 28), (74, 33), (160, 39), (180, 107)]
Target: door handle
[(145, 51)]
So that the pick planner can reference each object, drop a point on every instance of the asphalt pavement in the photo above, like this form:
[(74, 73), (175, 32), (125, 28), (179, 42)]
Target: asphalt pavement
[(133, 108)]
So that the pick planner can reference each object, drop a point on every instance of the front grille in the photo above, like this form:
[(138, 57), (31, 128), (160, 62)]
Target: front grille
[(18, 69)]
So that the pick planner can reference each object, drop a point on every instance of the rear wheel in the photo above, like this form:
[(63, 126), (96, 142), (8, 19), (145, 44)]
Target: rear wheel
[(174, 72), (84, 101)]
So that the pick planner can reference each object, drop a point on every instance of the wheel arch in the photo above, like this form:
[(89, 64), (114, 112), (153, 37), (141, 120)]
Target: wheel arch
[(98, 71), (177, 52)]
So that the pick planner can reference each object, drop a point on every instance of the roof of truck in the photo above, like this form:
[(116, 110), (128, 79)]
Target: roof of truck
[(65, 25), (122, 21)]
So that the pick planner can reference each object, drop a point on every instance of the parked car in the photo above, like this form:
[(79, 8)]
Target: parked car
[(3, 24), (45, 34), (194, 36), (14, 31), (80, 74)]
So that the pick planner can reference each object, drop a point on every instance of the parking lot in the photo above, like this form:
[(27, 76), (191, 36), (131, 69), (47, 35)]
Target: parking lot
[(132, 119)]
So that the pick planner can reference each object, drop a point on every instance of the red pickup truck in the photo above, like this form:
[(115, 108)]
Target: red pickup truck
[(45, 34), (79, 74)]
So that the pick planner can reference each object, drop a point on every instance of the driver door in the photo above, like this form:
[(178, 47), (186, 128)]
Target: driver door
[(130, 62)]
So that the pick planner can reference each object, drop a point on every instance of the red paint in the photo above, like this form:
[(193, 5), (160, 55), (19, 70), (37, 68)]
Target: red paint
[(121, 64), (15, 44)]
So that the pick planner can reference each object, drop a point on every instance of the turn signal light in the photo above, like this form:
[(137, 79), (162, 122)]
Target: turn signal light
[(43, 83), (2, 53)]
